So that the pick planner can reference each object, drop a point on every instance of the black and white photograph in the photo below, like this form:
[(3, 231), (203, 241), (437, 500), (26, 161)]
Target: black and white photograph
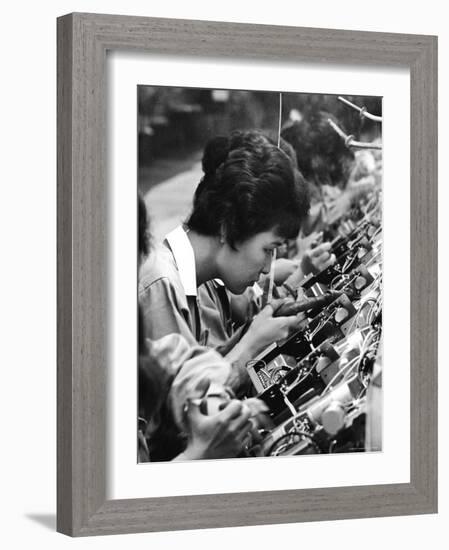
[(259, 274), (236, 215)]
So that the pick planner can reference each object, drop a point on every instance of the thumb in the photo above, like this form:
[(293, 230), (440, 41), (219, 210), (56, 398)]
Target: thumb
[(267, 311)]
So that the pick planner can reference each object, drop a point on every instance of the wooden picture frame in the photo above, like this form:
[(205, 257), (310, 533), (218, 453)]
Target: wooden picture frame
[(83, 40)]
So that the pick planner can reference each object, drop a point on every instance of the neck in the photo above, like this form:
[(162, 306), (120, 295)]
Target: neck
[(205, 252)]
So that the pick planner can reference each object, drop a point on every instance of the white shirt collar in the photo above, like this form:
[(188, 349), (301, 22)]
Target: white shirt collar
[(258, 292), (184, 257)]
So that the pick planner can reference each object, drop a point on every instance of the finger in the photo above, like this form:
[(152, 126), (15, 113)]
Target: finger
[(301, 316), (282, 263), (243, 431), (256, 406), (233, 410), (317, 239), (322, 250), (256, 435), (284, 325), (241, 426), (332, 259), (318, 252), (255, 429), (322, 257), (324, 263), (323, 247), (267, 310), (317, 263), (295, 322)]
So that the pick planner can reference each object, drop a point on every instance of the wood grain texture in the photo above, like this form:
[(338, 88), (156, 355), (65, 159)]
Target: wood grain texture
[(83, 40), (423, 272), (64, 277)]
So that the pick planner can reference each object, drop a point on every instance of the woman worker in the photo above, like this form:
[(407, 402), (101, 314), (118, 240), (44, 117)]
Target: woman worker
[(174, 379), (249, 206), (224, 311)]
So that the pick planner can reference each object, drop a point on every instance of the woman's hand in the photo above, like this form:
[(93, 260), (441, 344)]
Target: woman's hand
[(266, 329), (263, 331), (284, 268), (222, 435), (316, 258)]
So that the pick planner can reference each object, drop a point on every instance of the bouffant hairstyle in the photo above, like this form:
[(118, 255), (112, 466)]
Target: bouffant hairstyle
[(249, 186), (322, 155)]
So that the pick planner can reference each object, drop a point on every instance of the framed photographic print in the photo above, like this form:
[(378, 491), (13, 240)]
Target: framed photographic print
[(323, 404)]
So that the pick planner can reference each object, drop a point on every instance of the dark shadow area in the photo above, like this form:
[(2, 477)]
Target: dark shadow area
[(46, 520)]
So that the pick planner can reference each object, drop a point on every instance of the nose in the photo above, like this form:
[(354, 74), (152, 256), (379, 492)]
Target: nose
[(267, 265)]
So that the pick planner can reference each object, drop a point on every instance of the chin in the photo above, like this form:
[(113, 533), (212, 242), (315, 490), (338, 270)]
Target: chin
[(236, 289), (240, 289)]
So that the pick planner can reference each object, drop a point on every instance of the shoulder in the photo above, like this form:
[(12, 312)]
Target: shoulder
[(160, 267), (161, 296)]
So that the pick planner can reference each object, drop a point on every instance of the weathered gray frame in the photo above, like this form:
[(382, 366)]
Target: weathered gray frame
[(83, 40)]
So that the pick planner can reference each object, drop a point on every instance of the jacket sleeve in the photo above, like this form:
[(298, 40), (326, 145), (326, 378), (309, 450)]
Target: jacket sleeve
[(189, 366), (163, 311)]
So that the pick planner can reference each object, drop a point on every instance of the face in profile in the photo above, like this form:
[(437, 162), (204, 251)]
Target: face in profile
[(241, 266)]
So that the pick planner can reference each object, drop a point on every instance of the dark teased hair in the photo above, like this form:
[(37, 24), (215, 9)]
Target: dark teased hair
[(249, 186), (321, 153), (218, 148)]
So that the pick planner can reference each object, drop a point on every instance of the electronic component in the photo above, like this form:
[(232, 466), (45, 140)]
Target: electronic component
[(318, 421), (316, 382)]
